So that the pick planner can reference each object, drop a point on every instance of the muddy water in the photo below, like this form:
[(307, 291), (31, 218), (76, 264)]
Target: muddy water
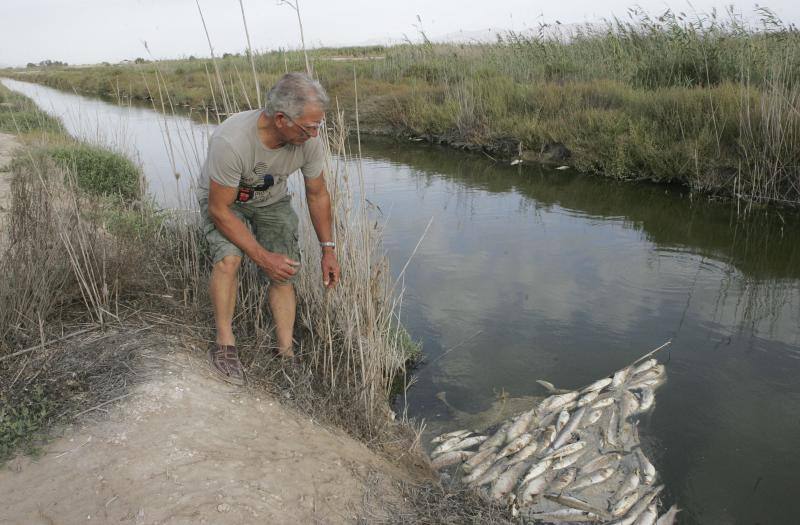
[(531, 273)]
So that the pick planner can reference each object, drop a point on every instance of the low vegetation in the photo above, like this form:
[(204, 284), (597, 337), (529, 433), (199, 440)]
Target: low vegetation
[(705, 100)]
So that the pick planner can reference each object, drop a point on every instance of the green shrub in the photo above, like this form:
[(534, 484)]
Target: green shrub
[(22, 420), (100, 171)]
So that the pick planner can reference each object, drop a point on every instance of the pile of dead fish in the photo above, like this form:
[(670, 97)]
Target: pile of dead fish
[(575, 457)]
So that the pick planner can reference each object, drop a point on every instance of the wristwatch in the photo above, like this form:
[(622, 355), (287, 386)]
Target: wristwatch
[(328, 244)]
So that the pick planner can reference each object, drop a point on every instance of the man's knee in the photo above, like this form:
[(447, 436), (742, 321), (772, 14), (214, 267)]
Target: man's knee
[(229, 265)]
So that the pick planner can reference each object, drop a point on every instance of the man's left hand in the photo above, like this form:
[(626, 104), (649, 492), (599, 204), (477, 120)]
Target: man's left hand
[(330, 269)]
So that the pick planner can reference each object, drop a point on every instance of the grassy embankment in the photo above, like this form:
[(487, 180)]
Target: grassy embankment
[(707, 102), (86, 265)]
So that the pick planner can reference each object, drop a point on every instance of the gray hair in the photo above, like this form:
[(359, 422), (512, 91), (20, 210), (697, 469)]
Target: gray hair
[(292, 92)]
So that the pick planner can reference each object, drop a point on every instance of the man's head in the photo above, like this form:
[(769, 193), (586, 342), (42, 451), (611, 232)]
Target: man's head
[(296, 104)]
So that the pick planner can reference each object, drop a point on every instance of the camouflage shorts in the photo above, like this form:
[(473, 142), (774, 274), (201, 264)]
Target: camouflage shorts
[(274, 227)]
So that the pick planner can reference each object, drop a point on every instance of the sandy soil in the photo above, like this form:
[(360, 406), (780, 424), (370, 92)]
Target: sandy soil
[(186, 448)]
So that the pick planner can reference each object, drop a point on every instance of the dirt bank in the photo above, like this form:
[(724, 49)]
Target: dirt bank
[(186, 448)]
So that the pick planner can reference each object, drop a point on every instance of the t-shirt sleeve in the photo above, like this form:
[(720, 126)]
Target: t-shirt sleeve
[(313, 158), (223, 164)]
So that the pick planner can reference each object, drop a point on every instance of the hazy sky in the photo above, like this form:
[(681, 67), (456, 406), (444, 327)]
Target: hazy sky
[(90, 31)]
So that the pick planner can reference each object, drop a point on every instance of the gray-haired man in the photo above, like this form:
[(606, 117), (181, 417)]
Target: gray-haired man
[(243, 183)]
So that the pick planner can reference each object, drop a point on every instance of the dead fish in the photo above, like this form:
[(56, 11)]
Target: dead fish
[(625, 504), (628, 406), (562, 480), (567, 461), (516, 445), (563, 417), (451, 458), (566, 450), (647, 365), (587, 399), (668, 518), (537, 469), (611, 436), (515, 162), (573, 515), (573, 502), (648, 517), (655, 372), (593, 417), (547, 436), (478, 458), (478, 471), (561, 168), (525, 453), (603, 403), (520, 425), (619, 377), (506, 482), (555, 402), (629, 485), (498, 438), (450, 435), (492, 473), (606, 460), (530, 489), (458, 444), (550, 387), (566, 433), (647, 468), (593, 478), (630, 433), (597, 385), (638, 508), (648, 397)]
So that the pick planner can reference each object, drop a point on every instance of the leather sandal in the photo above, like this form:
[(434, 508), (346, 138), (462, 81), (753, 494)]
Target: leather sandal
[(224, 362)]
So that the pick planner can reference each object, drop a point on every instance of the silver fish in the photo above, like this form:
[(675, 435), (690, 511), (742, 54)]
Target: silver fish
[(593, 478), (537, 469), (562, 480), (478, 471), (639, 507), (629, 484), (587, 399), (647, 468), (573, 502), (506, 482), (450, 435), (550, 387), (625, 504), (530, 489), (566, 433), (606, 460), (567, 461), (647, 365), (498, 438), (654, 373), (603, 403), (628, 406), (592, 418), (611, 436), (563, 418), (619, 377), (630, 433), (520, 425), (516, 445), (648, 397), (478, 458), (566, 450), (547, 436), (451, 458), (597, 385), (648, 517), (458, 444), (525, 453), (555, 402), (492, 473), (668, 518), (573, 515)]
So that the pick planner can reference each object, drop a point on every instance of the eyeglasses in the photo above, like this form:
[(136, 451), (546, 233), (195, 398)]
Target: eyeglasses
[(307, 131)]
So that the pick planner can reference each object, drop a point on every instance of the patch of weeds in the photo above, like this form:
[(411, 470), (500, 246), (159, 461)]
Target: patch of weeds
[(99, 171), (23, 420)]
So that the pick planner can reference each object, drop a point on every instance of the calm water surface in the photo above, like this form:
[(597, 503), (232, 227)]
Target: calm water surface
[(531, 273)]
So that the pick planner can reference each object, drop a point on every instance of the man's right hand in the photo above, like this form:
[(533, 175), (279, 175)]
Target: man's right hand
[(277, 266)]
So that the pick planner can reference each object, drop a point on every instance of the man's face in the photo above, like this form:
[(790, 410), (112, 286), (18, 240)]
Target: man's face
[(298, 130)]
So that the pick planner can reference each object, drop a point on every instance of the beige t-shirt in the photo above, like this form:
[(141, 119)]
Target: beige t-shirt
[(236, 158)]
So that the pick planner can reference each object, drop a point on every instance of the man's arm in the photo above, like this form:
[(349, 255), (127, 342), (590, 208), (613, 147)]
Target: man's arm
[(277, 266), (319, 207)]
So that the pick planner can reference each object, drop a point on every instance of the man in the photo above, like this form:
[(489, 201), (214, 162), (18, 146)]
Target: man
[(243, 183)]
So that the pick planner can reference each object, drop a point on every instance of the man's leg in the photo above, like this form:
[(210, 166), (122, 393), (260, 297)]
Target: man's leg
[(223, 286), (283, 304)]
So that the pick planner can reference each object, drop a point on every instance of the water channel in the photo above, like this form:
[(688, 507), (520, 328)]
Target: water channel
[(530, 273)]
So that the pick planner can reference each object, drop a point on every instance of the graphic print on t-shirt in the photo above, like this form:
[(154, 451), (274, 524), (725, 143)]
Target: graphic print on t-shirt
[(256, 187)]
